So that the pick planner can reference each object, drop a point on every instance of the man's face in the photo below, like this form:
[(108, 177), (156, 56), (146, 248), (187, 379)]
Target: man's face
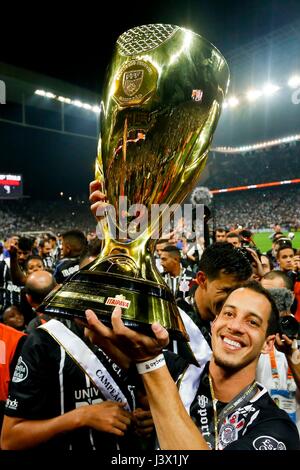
[(13, 317), (159, 247), (220, 236), (34, 265), (286, 259), (23, 255), (170, 263), (265, 262), (239, 332), (235, 241), (46, 249), (210, 297)]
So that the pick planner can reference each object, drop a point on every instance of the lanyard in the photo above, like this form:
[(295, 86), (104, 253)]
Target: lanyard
[(240, 400), (274, 369)]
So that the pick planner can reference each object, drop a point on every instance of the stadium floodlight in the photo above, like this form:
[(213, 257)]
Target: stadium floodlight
[(269, 89), (96, 109), (258, 145), (294, 81), (233, 101), (77, 103), (48, 94), (40, 92), (63, 99), (253, 95)]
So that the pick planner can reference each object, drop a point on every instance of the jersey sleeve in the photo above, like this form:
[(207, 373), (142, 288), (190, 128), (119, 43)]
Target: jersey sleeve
[(32, 391)]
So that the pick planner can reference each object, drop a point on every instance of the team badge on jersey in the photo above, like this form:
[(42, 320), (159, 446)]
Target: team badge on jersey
[(230, 429), (21, 371), (268, 443)]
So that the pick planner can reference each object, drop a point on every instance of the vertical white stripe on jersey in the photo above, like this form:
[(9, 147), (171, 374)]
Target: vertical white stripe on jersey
[(61, 383), (88, 384), (61, 379)]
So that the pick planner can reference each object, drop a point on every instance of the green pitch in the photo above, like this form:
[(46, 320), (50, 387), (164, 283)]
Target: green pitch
[(264, 243)]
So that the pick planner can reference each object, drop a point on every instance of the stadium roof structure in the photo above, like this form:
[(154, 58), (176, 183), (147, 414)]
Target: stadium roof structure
[(28, 95), (270, 55), (21, 81), (273, 58)]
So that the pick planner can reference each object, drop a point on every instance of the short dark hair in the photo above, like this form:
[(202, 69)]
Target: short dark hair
[(43, 241), (286, 279), (76, 239), (161, 241), (37, 257), (25, 244), (273, 322), (223, 257), (233, 235), (173, 250), (284, 247)]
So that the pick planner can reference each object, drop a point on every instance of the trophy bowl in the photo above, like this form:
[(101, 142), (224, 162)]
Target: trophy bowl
[(160, 105)]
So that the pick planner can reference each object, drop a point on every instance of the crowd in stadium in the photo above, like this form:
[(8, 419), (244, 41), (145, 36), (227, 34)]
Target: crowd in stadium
[(255, 209), (32, 265), (259, 166), (26, 215), (259, 209)]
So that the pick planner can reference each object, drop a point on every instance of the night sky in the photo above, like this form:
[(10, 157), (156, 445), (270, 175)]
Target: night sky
[(75, 44)]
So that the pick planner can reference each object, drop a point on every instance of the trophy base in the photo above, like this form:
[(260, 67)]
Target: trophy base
[(142, 302)]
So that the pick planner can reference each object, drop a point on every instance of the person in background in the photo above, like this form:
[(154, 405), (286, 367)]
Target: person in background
[(234, 239), (297, 283), (279, 370), (74, 244), (276, 279), (11, 342), (220, 235), (177, 277), (14, 318), (45, 252), (34, 263), (38, 285), (266, 263)]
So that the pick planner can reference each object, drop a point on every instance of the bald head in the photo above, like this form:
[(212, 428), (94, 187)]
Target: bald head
[(38, 285)]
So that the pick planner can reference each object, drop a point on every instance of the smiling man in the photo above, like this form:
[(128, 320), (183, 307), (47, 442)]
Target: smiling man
[(221, 406)]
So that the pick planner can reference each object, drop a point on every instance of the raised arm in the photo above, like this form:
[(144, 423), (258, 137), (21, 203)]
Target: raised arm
[(166, 406)]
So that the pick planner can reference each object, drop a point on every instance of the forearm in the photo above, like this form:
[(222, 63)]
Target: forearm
[(19, 434), (17, 275), (175, 429)]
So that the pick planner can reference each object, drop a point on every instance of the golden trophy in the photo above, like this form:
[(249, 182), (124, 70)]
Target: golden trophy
[(160, 107)]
